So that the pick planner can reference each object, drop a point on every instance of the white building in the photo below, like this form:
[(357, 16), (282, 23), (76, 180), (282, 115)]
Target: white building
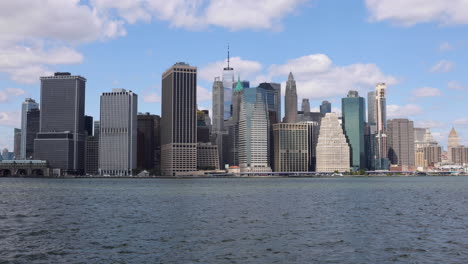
[(28, 105), (332, 148), (118, 133)]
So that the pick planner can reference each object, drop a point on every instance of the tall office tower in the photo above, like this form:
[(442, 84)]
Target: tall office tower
[(253, 132), (17, 143), (32, 125), (459, 155), (27, 105), (313, 129), (61, 139), (381, 148), (325, 107), (332, 147), (92, 155), (157, 143), (88, 125), (145, 141), (305, 107), (207, 156), (371, 111), (118, 137), (179, 119), (290, 103), (97, 129), (291, 147), (232, 126), (428, 152), (218, 118), (203, 130), (353, 109), (370, 131), (245, 84), (400, 135), (453, 142), (273, 97), (228, 79)]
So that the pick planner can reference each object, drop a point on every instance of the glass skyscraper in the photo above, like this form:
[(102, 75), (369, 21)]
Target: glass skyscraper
[(353, 109)]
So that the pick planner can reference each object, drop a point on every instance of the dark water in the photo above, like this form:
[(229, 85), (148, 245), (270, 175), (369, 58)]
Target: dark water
[(345, 220)]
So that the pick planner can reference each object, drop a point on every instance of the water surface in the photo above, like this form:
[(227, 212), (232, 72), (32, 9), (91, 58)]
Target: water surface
[(279, 220)]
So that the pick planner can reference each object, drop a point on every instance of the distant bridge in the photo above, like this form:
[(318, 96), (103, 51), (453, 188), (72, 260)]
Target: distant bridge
[(24, 168)]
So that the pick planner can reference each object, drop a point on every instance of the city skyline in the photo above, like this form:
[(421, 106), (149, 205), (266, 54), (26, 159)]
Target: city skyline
[(424, 73)]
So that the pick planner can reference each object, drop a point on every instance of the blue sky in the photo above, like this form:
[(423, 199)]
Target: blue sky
[(331, 46)]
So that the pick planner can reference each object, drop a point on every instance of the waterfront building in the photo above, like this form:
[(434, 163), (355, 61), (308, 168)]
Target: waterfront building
[(28, 105), (207, 156), (145, 141), (179, 120), (333, 152), (218, 117), (88, 125), (325, 107), (92, 155), (291, 147), (157, 143), (353, 110), (453, 142), (17, 143), (305, 107), (400, 135), (253, 131), (381, 161), (370, 132), (61, 139), (228, 80), (459, 155), (32, 126), (313, 129), (7, 155), (428, 153), (290, 104), (118, 136)]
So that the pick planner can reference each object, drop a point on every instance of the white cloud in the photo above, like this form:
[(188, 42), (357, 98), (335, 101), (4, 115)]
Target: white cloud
[(35, 35), (8, 92), (461, 121), (198, 14), (410, 12), (317, 77), (445, 46), (404, 111), (152, 98), (443, 66), (203, 94), (453, 85), (429, 124), (427, 92), (10, 119), (247, 69)]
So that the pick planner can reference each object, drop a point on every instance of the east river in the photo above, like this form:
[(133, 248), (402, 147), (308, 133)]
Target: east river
[(273, 220)]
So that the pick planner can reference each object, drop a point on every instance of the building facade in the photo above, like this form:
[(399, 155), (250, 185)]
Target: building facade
[(145, 141), (207, 156), (118, 136), (333, 153), (381, 161), (17, 143), (88, 125), (253, 132), (28, 105), (353, 110), (179, 120), (61, 139), (453, 142), (92, 156), (291, 147), (290, 104), (401, 150), (325, 107), (313, 129)]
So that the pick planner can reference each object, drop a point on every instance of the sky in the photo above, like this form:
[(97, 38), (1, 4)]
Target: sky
[(418, 47)]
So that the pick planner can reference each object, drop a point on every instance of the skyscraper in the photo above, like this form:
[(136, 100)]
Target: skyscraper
[(332, 147), (313, 129), (400, 135), (381, 149), (228, 79), (27, 105), (92, 155), (325, 107), (353, 109), (118, 137), (32, 125), (179, 119), (17, 143), (145, 141), (291, 147), (88, 125), (97, 129), (61, 138), (218, 117), (253, 132), (453, 142), (305, 107), (290, 107), (273, 98)]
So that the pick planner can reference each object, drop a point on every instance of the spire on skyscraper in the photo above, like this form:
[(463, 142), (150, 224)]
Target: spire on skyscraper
[(239, 86), (290, 77)]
